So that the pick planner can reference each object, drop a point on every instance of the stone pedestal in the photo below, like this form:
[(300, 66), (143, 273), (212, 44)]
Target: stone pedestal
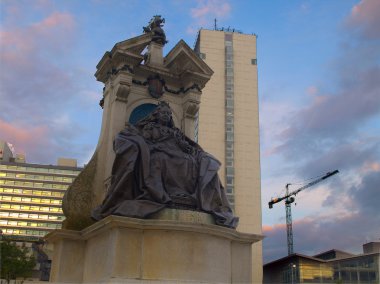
[(128, 250)]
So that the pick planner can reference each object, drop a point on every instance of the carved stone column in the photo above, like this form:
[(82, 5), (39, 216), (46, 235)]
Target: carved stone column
[(190, 111)]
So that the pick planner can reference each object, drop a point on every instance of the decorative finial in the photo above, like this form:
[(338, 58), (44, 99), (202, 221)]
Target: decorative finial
[(155, 28)]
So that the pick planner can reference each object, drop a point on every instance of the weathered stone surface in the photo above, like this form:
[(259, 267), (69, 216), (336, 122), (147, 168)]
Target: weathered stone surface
[(127, 250), (78, 200), (184, 216)]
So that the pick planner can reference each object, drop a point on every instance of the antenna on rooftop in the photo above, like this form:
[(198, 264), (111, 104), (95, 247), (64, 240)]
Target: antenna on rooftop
[(215, 27)]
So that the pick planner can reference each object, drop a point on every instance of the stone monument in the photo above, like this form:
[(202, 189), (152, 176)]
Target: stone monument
[(149, 206)]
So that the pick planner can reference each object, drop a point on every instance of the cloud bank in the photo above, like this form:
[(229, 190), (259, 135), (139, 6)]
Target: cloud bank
[(38, 82), (332, 132)]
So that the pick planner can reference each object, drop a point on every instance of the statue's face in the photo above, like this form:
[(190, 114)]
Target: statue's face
[(164, 116)]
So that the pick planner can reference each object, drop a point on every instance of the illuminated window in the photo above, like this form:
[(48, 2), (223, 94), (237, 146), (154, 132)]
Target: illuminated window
[(23, 215)]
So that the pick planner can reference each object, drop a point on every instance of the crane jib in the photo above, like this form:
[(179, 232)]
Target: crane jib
[(278, 199), (330, 174)]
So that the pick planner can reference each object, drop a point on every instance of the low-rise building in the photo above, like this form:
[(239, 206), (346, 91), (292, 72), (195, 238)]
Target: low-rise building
[(333, 266)]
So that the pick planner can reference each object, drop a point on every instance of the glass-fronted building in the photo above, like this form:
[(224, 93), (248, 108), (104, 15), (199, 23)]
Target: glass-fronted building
[(31, 197), (330, 267)]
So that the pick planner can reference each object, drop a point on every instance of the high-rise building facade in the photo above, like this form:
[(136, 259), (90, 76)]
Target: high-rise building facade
[(31, 197), (228, 124)]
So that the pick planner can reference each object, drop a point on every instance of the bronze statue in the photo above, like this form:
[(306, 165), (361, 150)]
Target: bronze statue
[(156, 167), (155, 28)]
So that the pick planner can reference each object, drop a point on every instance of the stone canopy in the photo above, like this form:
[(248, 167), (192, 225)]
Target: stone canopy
[(178, 64)]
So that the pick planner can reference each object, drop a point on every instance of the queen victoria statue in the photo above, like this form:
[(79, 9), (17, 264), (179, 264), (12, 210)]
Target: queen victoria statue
[(156, 167)]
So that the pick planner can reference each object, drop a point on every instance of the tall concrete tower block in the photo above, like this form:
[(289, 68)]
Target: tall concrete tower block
[(136, 78), (228, 125)]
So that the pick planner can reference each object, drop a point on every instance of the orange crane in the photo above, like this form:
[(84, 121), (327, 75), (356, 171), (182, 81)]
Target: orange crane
[(289, 199)]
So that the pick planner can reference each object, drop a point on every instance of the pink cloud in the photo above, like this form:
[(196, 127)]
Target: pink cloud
[(22, 137), (211, 7), (207, 10), (25, 55), (53, 34), (271, 228), (61, 20), (37, 81), (365, 19), (371, 166), (312, 90)]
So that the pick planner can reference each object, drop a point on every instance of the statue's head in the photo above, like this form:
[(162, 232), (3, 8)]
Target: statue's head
[(162, 115)]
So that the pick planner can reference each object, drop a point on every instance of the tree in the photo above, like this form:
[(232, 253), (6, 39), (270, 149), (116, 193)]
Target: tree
[(15, 261)]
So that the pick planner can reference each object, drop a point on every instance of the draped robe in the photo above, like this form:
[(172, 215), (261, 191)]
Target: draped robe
[(156, 166)]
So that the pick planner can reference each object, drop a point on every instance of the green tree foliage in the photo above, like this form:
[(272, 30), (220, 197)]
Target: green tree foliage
[(15, 261)]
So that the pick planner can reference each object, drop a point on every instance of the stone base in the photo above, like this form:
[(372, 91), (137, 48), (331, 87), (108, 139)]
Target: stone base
[(128, 250)]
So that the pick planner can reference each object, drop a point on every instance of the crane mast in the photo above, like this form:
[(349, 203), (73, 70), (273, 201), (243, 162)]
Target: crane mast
[(289, 199), (289, 222)]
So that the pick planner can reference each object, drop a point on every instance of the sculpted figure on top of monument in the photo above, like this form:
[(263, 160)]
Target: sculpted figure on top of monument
[(155, 27), (156, 167)]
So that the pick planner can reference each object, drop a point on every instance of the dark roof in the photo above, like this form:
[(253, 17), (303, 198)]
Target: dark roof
[(298, 255), (294, 255), (354, 256), (40, 166), (333, 250)]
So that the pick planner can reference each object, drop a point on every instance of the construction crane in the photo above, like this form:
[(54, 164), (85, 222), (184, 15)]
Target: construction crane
[(289, 199)]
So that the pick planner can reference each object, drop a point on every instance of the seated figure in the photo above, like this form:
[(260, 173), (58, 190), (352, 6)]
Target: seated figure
[(156, 167)]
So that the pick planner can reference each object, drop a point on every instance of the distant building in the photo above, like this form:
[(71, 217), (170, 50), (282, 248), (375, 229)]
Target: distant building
[(31, 195), (332, 266), (228, 124), (5, 151)]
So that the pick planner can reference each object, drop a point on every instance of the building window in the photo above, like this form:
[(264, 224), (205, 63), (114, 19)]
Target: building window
[(254, 61), (228, 37), (230, 171)]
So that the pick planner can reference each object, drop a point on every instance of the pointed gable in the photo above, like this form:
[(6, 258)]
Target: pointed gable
[(134, 45), (183, 59), (127, 52)]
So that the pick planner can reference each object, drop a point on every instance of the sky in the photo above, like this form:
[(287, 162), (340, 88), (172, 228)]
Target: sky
[(319, 97)]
